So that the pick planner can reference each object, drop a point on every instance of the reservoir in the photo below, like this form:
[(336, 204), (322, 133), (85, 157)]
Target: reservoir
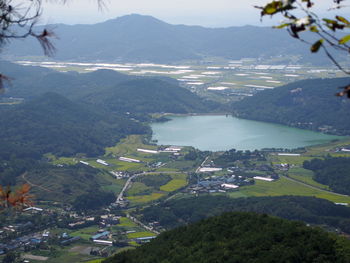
[(218, 133)]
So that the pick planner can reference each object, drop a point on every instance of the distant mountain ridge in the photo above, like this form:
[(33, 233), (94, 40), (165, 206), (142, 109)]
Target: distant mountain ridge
[(106, 89), (138, 38)]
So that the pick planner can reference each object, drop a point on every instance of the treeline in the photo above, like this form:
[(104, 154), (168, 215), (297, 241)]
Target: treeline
[(241, 237), (93, 200), (334, 172), (308, 104), (229, 158), (308, 209)]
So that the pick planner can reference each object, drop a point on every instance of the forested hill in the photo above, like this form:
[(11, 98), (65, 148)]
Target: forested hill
[(311, 210), (54, 124), (309, 104), (137, 38), (106, 88), (241, 237), (149, 95), (334, 172)]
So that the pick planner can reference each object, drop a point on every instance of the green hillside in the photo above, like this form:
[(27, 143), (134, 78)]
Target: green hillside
[(309, 104), (308, 209), (107, 89), (241, 237), (54, 124), (334, 172), (149, 95), (68, 184)]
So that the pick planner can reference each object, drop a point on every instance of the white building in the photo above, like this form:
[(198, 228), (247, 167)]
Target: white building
[(102, 162), (129, 160)]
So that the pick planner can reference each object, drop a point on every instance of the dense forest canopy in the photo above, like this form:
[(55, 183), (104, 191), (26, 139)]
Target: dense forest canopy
[(308, 209), (54, 124), (308, 104), (240, 237)]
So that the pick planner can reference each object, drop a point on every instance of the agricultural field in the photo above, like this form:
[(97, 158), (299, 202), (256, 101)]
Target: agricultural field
[(285, 186), (141, 234), (178, 181), (305, 176), (218, 79)]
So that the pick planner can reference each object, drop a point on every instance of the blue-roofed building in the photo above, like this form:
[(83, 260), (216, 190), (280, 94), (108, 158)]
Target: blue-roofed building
[(141, 240), (102, 235)]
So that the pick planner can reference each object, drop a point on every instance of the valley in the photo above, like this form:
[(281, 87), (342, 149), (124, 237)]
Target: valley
[(103, 179), (153, 176)]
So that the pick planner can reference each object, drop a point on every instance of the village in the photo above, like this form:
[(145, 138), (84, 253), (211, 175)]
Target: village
[(183, 171)]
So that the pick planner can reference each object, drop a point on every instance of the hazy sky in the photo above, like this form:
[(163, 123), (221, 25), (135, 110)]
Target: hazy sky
[(193, 12), (213, 13)]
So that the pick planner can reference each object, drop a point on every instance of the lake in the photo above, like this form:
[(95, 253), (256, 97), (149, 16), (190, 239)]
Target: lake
[(218, 133)]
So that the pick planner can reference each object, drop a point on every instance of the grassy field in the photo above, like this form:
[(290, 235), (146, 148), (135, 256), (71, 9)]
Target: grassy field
[(296, 160), (178, 181), (85, 233), (95, 261), (305, 176), (129, 145), (145, 198), (126, 222), (283, 186), (324, 149), (138, 188)]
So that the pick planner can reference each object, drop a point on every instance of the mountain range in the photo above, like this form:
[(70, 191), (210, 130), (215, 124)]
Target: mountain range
[(138, 38)]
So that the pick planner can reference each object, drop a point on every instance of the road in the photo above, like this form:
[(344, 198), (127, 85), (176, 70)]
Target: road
[(199, 167), (129, 182), (32, 184), (142, 224)]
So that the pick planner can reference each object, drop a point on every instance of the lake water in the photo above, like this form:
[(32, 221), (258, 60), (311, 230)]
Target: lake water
[(217, 133)]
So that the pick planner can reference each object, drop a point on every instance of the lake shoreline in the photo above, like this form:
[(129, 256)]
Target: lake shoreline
[(217, 132)]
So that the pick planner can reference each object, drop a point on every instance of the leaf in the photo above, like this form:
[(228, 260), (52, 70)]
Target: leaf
[(316, 46), (343, 19), (314, 29), (344, 40), (281, 26)]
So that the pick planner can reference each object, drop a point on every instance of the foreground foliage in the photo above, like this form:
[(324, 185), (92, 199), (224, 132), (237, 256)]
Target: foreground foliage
[(241, 237), (308, 209)]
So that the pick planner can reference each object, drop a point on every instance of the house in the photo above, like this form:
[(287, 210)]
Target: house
[(209, 169), (71, 240), (82, 162), (147, 151), (263, 178), (229, 186), (103, 242)]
